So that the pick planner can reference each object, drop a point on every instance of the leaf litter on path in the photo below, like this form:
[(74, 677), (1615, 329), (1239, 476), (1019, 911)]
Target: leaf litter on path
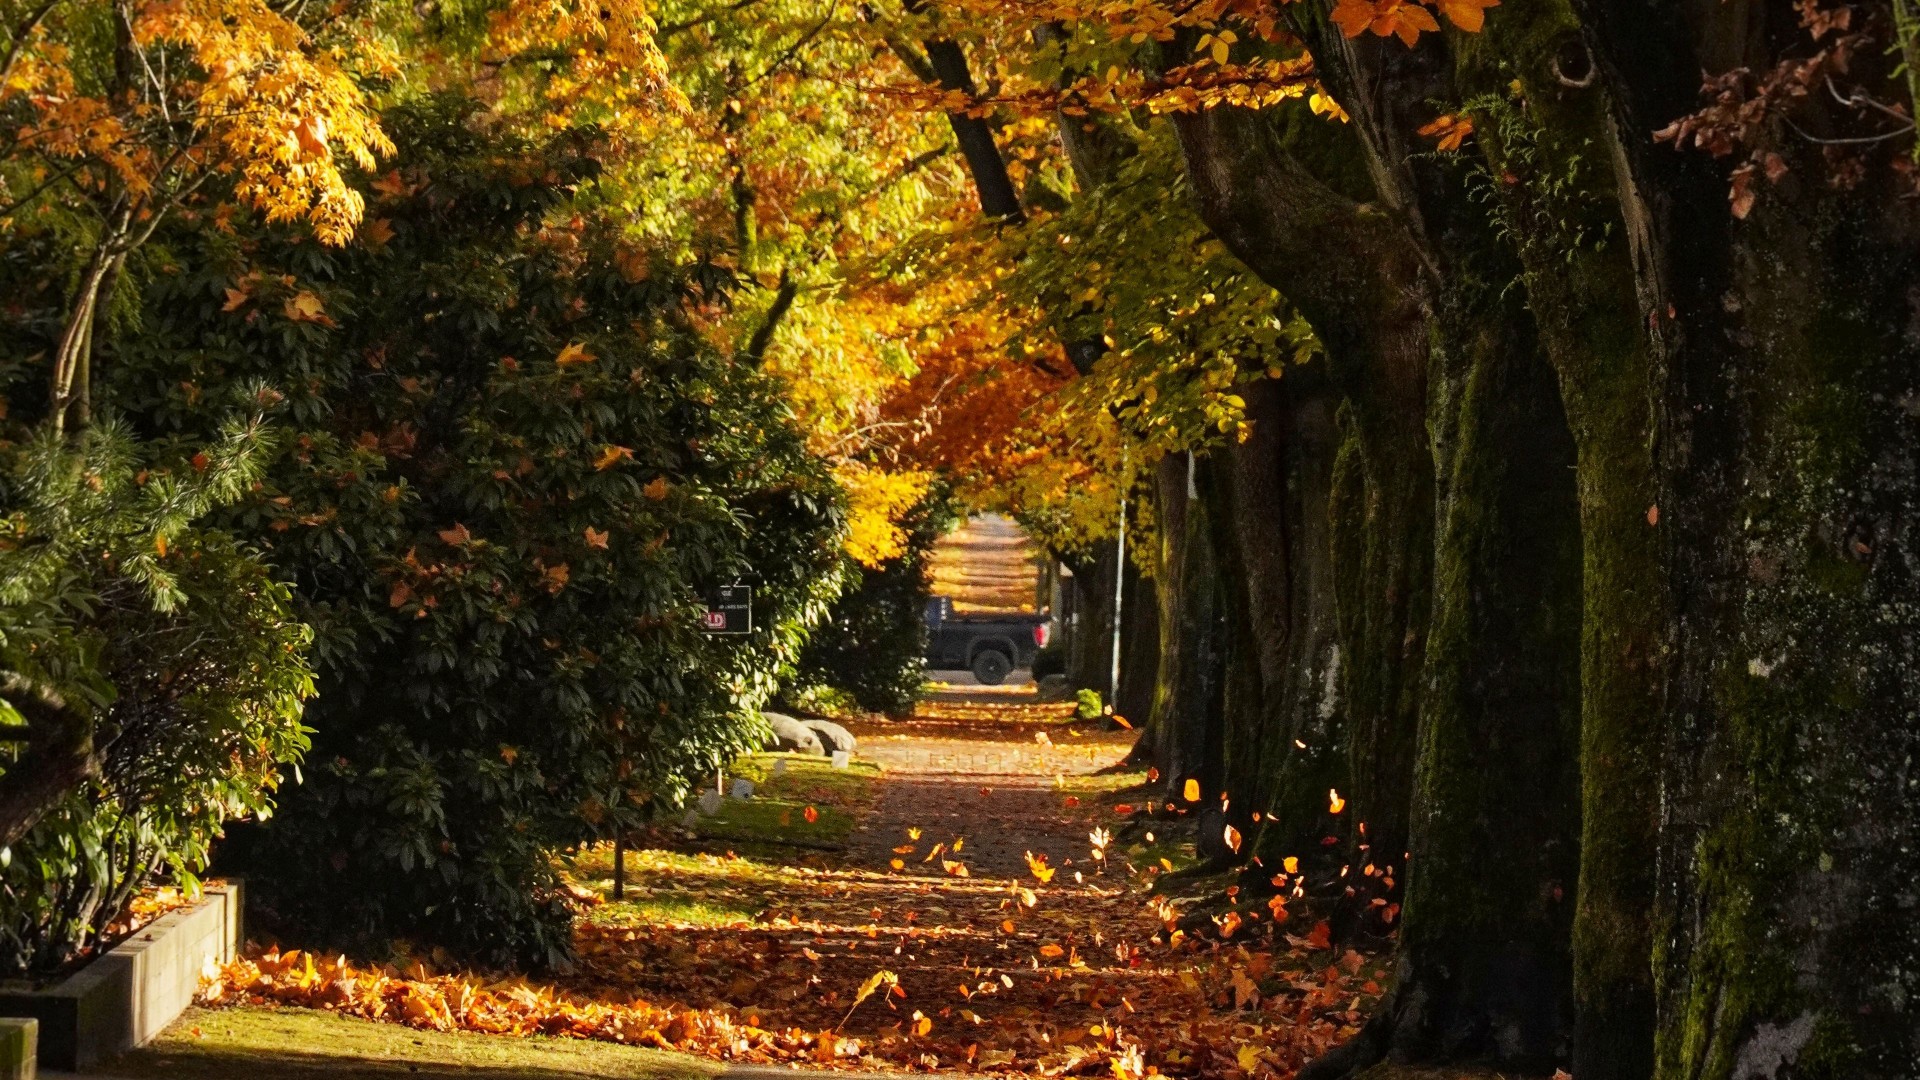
[(1028, 965)]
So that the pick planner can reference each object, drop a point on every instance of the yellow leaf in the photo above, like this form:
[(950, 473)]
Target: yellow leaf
[(1291, 864), (574, 354), (1037, 864), (1219, 52), (896, 864), (1191, 790), (874, 982), (1335, 803), (611, 456), (304, 306)]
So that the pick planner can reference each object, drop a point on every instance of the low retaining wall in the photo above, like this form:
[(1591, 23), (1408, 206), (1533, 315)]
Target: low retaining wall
[(128, 994)]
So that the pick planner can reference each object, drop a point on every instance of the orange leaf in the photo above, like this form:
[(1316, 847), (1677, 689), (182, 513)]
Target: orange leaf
[(1353, 16), (611, 456), (1233, 838), (392, 184), (811, 815), (596, 538), (376, 233), (457, 535), (656, 488), (1335, 803), (1051, 951), (235, 298), (574, 354), (1468, 15), (402, 592)]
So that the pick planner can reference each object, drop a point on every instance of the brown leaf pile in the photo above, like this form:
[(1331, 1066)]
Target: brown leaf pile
[(421, 999)]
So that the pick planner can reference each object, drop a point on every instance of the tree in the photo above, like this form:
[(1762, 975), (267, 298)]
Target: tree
[(515, 469), (121, 110)]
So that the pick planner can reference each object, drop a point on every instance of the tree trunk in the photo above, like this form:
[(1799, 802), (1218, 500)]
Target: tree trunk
[(1783, 377), (1283, 749), (1139, 647)]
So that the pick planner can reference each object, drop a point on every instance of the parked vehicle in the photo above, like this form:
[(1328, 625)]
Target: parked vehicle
[(989, 645)]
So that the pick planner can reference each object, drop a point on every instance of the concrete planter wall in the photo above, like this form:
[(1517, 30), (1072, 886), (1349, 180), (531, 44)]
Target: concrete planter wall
[(128, 994)]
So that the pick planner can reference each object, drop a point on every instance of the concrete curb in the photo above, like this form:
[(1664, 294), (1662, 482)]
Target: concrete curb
[(126, 996)]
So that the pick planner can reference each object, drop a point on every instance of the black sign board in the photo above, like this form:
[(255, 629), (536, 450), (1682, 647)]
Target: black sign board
[(729, 610)]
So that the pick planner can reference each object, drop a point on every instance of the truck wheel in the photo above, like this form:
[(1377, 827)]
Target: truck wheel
[(991, 667)]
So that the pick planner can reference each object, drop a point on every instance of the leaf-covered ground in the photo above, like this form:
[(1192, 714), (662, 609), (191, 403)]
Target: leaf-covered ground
[(950, 911)]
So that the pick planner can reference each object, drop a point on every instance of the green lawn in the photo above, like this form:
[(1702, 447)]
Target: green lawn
[(255, 1043)]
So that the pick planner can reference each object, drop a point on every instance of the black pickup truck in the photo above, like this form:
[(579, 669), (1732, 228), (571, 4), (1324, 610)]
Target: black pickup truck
[(989, 645)]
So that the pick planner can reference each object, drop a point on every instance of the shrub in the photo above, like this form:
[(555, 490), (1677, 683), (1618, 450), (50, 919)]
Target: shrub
[(515, 470), (171, 654), (873, 644)]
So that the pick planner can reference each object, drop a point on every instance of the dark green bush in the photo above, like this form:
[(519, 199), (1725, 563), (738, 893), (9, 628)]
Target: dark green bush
[(515, 470)]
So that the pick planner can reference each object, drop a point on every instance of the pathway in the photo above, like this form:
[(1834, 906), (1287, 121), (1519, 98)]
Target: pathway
[(967, 926)]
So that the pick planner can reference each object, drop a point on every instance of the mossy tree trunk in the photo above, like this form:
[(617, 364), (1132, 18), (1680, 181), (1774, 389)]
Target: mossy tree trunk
[(1284, 747), (1787, 473), (1414, 285), (1548, 143)]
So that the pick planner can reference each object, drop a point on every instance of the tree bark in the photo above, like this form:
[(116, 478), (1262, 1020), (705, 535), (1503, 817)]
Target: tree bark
[(60, 756), (1783, 372)]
